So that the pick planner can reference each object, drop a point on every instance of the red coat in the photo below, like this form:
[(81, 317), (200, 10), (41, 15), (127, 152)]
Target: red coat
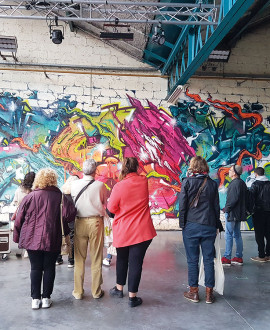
[(129, 201), (37, 225)]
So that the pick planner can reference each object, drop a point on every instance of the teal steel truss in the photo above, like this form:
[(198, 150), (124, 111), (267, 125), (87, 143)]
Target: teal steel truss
[(195, 43)]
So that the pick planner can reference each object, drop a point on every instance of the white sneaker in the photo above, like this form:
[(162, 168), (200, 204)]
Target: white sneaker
[(25, 254), (46, 302), (106, 262), (36, 303)]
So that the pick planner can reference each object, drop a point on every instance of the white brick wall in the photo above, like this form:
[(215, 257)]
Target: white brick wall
[(78, 49)]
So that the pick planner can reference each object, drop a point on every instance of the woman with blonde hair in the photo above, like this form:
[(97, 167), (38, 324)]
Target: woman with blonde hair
[(133, 229), (38, 230), (199, 219)]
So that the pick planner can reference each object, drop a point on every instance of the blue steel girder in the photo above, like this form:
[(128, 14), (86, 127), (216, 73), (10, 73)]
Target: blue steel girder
[(194, 45)]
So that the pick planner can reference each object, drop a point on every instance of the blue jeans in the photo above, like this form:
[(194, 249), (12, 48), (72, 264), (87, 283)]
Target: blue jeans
[(195, 236), (232, 230)]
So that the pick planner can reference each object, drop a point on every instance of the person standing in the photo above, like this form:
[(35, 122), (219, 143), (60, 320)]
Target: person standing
[(235, 212), (133, 228), (38, 230), (260, 190), (89, 197), (199, 219), (23, 190), (66, 190)]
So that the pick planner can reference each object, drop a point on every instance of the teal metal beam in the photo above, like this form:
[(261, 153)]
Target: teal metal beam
[(230, 17), (148, 53)]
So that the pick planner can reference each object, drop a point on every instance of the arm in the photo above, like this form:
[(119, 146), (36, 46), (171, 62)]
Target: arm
[(20, 218), (114, 201), (183, 203), (233, 196), (69, 210)]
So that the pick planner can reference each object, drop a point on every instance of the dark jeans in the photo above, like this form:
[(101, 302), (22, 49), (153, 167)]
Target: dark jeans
[(42, 266), (130, 258), (261, 221), (195, 236)]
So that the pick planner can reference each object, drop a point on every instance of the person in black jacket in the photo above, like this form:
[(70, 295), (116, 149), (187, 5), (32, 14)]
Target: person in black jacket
[(260, 189), (199, 219), (235, 212)]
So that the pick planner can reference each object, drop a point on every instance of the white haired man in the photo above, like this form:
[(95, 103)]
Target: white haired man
[(89, 197)]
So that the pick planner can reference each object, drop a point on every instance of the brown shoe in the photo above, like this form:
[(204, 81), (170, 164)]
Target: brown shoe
[(192, 294), (209, 296), (259, 259)]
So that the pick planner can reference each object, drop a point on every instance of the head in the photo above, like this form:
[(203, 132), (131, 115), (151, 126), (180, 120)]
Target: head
[(46, 177), (28, 180), (198, 165), (89, 167), (259, 171), (66, 188), (129, 165), (235, 171)]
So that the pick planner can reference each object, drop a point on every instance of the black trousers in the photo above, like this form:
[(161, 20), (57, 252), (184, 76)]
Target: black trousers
[(130, 258), (261, 221), (42, 267)]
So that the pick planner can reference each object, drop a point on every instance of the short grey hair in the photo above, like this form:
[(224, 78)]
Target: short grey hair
[(89, 166), (238, 169)]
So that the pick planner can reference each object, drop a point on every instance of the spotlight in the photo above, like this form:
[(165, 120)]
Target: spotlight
[(159, 36), (56, 32)]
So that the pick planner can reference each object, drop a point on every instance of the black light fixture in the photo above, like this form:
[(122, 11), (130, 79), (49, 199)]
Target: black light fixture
[(159, 36), (115, 35), (56, 32)]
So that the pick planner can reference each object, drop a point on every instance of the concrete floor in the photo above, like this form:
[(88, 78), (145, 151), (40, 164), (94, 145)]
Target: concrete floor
[(245, 304)]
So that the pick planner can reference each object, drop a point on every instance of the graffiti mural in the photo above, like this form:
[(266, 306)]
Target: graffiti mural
[(225, 133), (62, 136)]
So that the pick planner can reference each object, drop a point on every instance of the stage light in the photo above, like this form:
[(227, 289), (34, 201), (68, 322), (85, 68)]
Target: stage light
[(159, 36)]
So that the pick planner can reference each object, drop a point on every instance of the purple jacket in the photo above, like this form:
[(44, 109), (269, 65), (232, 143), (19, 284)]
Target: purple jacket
[(37, 225)]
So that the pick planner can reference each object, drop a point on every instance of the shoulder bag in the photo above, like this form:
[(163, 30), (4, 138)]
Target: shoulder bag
[(83, 189), (195, 200)]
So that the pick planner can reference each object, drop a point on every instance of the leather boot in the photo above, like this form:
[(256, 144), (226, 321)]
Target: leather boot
[(192, 294), (209, 296)]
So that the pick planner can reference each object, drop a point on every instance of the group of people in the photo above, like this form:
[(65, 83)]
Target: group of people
[(38, 230), (200, 221), (84, 204)]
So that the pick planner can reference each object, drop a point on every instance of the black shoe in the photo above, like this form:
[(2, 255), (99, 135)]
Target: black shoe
[(114, 292), (135, 301)]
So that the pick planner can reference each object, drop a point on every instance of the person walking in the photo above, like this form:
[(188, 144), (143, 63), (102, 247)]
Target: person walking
[(235, 212), (260, 190), (89, 197), (38, 230), (133, 228), (199, 219)]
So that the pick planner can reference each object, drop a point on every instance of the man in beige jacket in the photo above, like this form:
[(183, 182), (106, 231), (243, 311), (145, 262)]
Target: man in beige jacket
[(89, 197)]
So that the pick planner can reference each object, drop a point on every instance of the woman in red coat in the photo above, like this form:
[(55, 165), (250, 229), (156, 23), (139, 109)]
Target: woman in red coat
[(133, 229), (38, 230)]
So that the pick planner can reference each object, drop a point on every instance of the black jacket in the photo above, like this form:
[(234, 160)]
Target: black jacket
[(207, 211), (261, 194), (236, 200)]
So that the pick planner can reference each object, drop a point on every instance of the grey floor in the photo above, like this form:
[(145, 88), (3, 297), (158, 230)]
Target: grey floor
[(245, 304)]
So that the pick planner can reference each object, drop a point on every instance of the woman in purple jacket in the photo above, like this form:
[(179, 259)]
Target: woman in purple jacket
[(38, 230)]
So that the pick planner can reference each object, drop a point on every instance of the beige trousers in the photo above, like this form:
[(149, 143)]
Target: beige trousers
[(88, 231)]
